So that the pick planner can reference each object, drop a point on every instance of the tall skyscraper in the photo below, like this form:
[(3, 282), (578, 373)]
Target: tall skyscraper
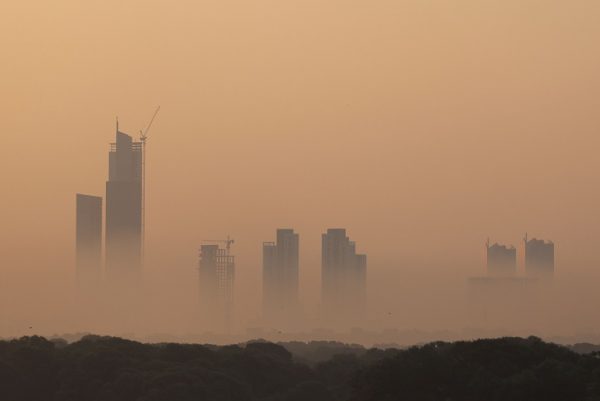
[(216, 270), (88, 241), (124, 211), (280, 278), (501, 260), (343, 277), (539, 257)]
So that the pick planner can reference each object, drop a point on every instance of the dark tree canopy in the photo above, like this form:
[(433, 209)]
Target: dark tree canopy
[(113, 369)]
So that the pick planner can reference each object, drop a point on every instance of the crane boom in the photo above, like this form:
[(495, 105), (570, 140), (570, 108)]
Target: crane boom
[(227, 242), (144, 135)]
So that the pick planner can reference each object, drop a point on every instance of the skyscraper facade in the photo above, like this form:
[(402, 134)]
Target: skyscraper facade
[(207, 274), (501, 260), (88, 241), (539, 257), (280, 278), (124, 210), (343, 277), (216, 270)]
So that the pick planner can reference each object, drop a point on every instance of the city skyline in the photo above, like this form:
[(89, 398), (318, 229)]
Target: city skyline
[(343, 271), (300, 200)]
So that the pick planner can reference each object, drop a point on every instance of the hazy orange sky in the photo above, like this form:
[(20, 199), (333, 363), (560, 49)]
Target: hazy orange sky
[(421, 126)]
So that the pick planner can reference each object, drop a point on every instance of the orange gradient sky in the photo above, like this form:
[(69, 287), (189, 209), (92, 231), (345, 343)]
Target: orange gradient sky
[(423, 127)]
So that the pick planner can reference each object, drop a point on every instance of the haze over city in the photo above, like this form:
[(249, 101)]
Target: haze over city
[(422, 128)]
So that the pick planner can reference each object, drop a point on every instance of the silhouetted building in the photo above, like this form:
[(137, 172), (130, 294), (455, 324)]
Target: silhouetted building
[(501, 260), (280, 278), (216, 278), (343, 277), (539, 257), (88, 241), (124, 210)]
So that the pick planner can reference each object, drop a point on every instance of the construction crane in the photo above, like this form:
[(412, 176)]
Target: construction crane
[(228, 242), (143, 139), (224, 273)]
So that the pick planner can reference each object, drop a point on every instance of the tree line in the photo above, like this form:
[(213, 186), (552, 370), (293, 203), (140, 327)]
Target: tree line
[(113, 369)]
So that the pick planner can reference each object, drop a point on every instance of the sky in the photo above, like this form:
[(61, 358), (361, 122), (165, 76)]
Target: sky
[(423, 127)]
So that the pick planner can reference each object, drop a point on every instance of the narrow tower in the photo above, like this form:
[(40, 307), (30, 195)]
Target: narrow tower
[(124, 212)]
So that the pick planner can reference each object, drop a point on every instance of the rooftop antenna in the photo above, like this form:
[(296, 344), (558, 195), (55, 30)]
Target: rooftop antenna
[(143, 139)]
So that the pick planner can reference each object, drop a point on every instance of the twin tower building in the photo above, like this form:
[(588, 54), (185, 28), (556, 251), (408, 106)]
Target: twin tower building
[(538, 258), (124, 221)]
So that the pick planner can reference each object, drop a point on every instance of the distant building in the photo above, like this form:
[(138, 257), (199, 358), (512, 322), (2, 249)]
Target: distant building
[(503, 299), (343, 277), (539, 257), (280, 278), (207, 274), (216, 270), (124, 210), (501, 260), (88, 241)]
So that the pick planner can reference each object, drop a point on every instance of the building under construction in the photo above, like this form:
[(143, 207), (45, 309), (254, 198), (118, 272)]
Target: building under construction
[(124, 210), (124, 224), (216, 270)]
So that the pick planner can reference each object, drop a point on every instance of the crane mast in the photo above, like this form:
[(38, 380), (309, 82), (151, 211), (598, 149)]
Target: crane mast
[(143, 140)]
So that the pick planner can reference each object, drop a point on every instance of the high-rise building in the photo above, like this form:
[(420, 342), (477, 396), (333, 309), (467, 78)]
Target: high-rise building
[(539, 257), (216, 270), (343, 277), (124, 211), (88, 241), (501, 260), (280, 278), (207, 274)]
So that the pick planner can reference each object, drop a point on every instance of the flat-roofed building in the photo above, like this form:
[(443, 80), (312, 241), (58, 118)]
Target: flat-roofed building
[(501, 259), (280, 278), (539, 257)]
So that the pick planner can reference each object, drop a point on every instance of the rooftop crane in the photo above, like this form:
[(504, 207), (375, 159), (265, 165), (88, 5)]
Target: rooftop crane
[(144, 134), (228, 242)]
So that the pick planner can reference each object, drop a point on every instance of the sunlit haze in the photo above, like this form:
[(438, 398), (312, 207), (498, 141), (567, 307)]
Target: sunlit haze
[(421, 127)]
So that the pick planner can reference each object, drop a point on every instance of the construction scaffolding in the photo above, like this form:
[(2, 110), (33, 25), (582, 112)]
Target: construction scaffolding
[(217, 274)]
